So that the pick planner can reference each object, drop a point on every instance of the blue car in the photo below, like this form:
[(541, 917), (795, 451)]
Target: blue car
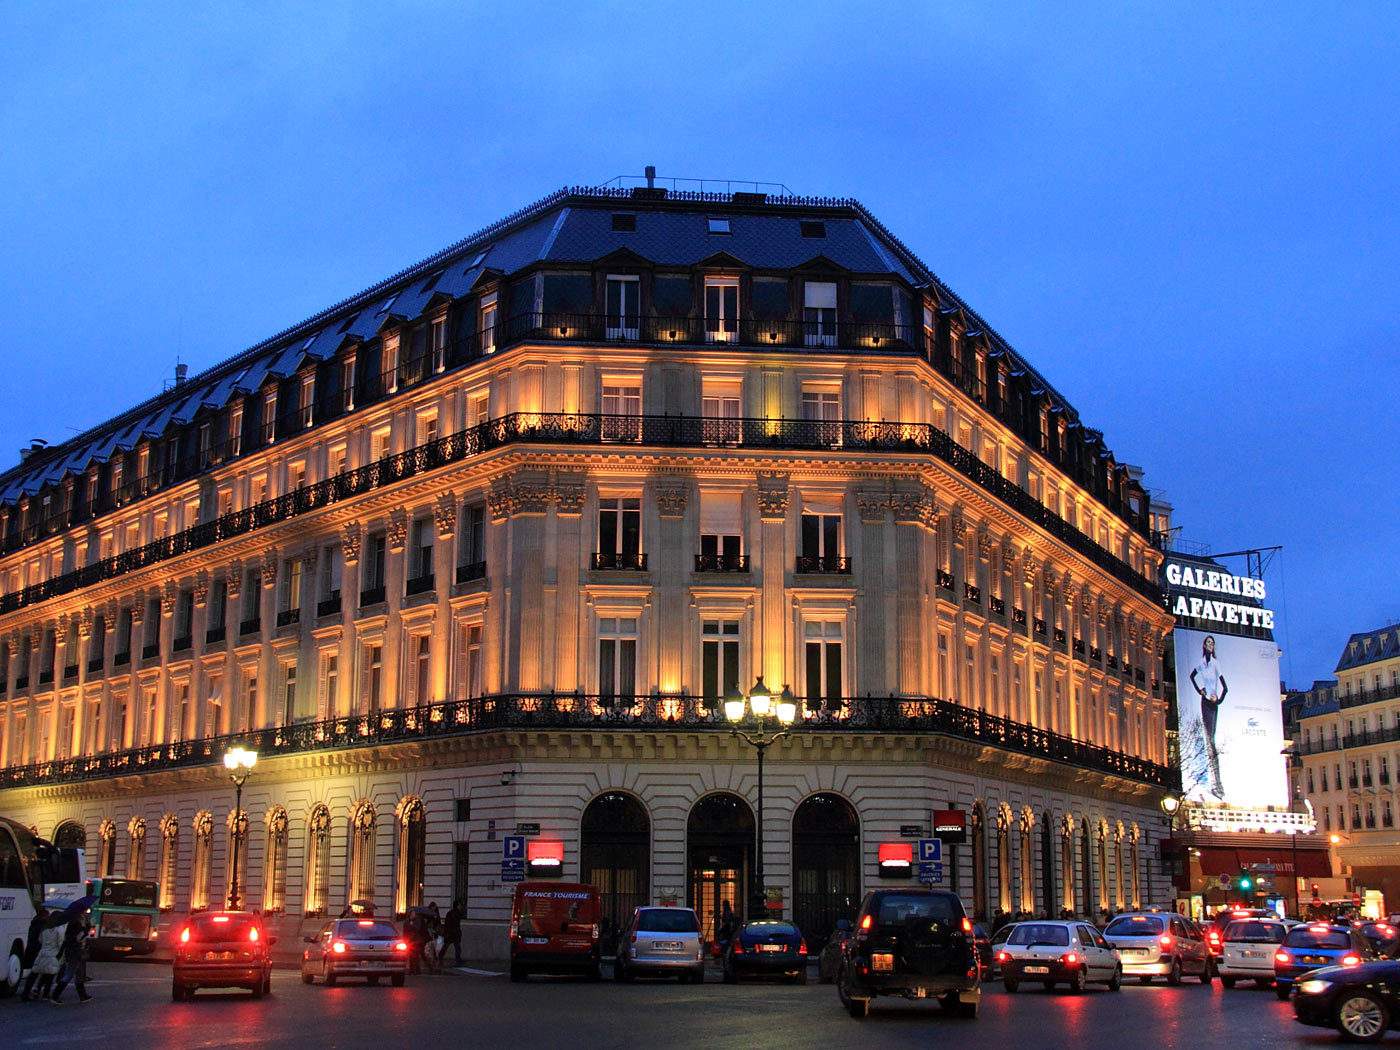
[(1315, 945)]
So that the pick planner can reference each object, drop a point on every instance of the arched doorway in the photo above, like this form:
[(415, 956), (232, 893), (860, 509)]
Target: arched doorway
[(408, 893), (825, 866), (70, 835), (719, 858), (318, 860), (275, 862), (1047, 867), (615, 855)]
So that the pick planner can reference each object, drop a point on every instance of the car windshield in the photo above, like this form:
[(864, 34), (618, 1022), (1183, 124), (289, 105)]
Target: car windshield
[(1135, 926), (1307, 937), (897, 909), (1254, 932), (222, 928), (1029, 933), (668, 920), (768, 929), (365, 930)]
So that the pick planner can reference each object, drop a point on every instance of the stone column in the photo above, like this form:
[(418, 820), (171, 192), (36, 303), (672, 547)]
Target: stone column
[(348, 686), (669, 631), (772, 651)]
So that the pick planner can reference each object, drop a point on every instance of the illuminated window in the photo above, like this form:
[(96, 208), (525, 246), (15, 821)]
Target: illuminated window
[(721, 309), (487, 325), (821, 641), (623, 307), (719, 659), (617, 658), (619, 533), (819, 314), (622, 412)]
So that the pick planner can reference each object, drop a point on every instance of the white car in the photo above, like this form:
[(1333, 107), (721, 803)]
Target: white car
[(1068, 953), (1247, 951)]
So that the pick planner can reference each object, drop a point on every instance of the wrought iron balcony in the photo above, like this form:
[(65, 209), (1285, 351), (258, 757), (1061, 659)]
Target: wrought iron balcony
[(945, 580), (829, 563), (1078, 646), (474, 571), (1095, 654), (287, 617), (150, 652), (250, 626), (972, 593), (46, 677), (1059, 636), (721, 563), (328, 606), (613, 561), (95, 665), (997, 605), (1018, 616), (215, 635), (1039, 626), (70, 670), (905, 716), (419, 585), (372, 596), (179, 645)]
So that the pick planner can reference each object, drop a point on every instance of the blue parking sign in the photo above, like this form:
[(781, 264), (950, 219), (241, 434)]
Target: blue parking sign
[(930, 850), (514, 847)]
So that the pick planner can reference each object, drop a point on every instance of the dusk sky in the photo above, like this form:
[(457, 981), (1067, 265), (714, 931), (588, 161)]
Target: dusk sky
[(1185, 218)]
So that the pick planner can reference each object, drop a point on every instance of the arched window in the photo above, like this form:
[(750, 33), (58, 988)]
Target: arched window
[(408, 891), (275, 862), (1004, 894), (1086, 871), (1027, 822), (203, 876), (719, 849), (1067, 864), (615, 854), (359, 883), (237, 825), (825, 866), (70, 835), (318, 860), (979, 860), (169, 859), (136, 856), (107, 848)]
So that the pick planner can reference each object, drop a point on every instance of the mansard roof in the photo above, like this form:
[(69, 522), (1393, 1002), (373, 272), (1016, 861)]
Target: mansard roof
[(1370, 647), (570, 227)]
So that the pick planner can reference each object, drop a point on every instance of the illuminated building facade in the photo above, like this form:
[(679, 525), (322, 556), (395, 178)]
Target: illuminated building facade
[(486, 545)]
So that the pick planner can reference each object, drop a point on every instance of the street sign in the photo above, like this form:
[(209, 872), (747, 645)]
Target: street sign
[(910, 831), (1317, 902), (527, 829), (1356, 899), (512, 876), (513, 846), (1224, 879), (930, 850), (931, 872), (512, 865)]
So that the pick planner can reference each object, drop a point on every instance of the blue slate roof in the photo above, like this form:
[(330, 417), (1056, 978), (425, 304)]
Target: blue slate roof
[(571, 226), (1369, 647)]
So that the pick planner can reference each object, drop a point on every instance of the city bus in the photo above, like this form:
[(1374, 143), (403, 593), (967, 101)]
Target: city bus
[(29, 867), (124, 918)]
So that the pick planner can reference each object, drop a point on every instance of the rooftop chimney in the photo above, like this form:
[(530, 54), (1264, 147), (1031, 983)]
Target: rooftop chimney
[(35, 445), (651, 176), (181, 370)]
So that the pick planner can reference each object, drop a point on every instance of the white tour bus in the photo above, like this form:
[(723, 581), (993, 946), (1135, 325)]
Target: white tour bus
[(30, 869)]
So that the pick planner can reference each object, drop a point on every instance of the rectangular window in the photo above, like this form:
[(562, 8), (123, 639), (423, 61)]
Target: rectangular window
[(327, 703), (623, 307), (719, 660), (371, 677), (617, 659), (390, 365), (619, 533), (487, 325), (418, 653), (421, 563), (331, 568), (306, 400), (721, 533), (721, 309), (289, 692), (821, 409), (819, 314), (821, 543), (437, 344), (269, 419), (379, 444), (471, 554), (622, 412), (291, 585), (374, 560), (427, 427), (469, 667), (822, 645), (478, 408), (720, 409)]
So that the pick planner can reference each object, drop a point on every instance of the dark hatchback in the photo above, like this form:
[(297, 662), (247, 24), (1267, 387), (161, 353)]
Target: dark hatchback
[(1316, 945), (917, 944), (225, 949), (766, 949), (1361, 1002)]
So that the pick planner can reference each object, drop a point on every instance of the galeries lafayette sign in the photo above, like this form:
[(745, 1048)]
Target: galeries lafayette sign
[(1222, 609)]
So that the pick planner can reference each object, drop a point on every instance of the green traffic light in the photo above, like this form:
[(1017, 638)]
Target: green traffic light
[(1245, 884)]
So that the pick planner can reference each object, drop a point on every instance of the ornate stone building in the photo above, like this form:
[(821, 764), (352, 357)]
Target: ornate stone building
[(486, 544)]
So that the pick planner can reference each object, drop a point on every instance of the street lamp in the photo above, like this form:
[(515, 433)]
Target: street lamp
[(1170, 805), (1289, 752), (239, 762), (774, 718)]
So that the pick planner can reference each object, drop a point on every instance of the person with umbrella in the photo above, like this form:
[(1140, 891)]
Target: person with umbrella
[(74, 952)]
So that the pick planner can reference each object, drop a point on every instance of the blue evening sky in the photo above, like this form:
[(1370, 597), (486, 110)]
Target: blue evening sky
[(1185, 215)]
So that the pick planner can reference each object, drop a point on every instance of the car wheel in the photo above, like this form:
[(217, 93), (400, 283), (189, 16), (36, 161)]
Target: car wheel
[(178, 992), (329, 977), (396, 980), (1228, 982), (14, 970), (1174, 978), (1010, 984), (267, 984), (842, 992), (698, 976), (1116, 981), (1281, 990), (306, 977), (257, 990), (1208, 974), (1079, 981), (1362, 1017), (968, 1010), (858, 1008)]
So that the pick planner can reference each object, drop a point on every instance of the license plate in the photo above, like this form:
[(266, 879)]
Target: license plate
[(218, 955), (884, 963), (536, 940), (1037, 969), (770, 947), (1253, 955), (666, 946), (1316, 959), (1134, 951), (920, 993)]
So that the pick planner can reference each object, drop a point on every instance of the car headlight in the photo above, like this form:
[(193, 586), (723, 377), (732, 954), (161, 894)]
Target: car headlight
[(1315, 986)]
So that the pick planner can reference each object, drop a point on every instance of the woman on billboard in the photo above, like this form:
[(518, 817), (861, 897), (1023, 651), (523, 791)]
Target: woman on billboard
[(1209, 683)]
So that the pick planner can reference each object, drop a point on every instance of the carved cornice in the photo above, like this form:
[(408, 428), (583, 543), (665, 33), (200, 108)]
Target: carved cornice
[(772, 495), (671, 500), (396, 532), (350, 543), (445, 514)]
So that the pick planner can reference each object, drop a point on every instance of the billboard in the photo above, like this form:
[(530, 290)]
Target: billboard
[(1230, 719)]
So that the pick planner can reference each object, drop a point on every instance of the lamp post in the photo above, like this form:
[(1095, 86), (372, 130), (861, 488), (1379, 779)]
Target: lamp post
[(773, 717), (1169, 805), (1289, 752), (239, 762)]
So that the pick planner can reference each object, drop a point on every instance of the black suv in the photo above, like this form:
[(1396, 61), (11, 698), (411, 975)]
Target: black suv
[(913, 943)]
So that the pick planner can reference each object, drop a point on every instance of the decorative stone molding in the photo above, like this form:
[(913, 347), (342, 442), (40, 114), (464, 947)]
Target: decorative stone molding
[(269, 568), (872, 505), (204, 824), (569, 492), (350, 543), (957, 524), (671, 500), (60, 630), (1008, 558), (170, 827), (912, 505), (772, 495), (445, 514), (531, 496), (319, 822), (276, 820), (396, 532), (85, 624), (168, 596), (138, 608), (11, 645), (233, 580), (498, 500), (201, 587), (238, 823), (984, 543)]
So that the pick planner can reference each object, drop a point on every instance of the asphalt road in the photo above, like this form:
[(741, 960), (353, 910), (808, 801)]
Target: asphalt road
[(133, 1011)]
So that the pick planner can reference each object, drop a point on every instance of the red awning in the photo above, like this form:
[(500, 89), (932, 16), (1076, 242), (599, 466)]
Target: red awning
[(1222, 860)]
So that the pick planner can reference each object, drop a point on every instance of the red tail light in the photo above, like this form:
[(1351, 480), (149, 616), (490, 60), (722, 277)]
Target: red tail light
[(802, 948), (1002, 957), (738, 947), (1282, 957), (338, 947), (1350, 960), (967, 924), (1165, 940), (1070, 958), (253, 935), (185, 935), (865, 923), (402, 946), (1214, 937)]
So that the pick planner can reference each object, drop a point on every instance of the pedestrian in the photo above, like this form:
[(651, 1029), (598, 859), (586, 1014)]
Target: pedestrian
[(452, 930), (31, 942), (728, 925), (45, 962), (74, 959), (999, 919)]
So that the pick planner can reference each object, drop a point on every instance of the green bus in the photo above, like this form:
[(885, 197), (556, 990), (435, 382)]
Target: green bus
[(124, 917)]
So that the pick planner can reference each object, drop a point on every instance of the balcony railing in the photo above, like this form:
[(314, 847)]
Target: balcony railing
[(1018, 616), (372, 596), (287, 617), (179, 645), (721, 563), (95, 665), (70, 671), (945, 580), (613, 561), (474, 571), (250, 626), (913, 439), (419, 584), (833, 564), (328, 606), (972, 594), (215, 635), (1039, 626), (997, 605), (905, 716), (1360, 697)]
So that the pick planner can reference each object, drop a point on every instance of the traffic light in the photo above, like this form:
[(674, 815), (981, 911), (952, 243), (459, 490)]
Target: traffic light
[(1246, 882)]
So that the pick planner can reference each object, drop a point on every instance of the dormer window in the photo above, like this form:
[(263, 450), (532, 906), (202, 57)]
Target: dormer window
[(348, 322), (477, 259), (387, 305), (430, 283), (624, 222), (719, 225), (812, 228)]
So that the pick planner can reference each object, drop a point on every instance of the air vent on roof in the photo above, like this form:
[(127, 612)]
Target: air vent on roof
[(719, 225), (813, 228), (624, 222), (750, 198)]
